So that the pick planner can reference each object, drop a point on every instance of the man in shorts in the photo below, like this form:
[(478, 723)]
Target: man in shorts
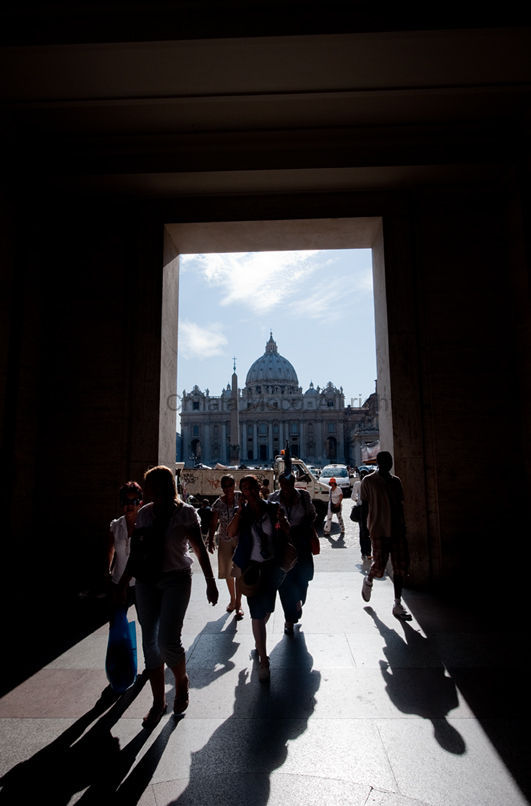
[(382, 497)]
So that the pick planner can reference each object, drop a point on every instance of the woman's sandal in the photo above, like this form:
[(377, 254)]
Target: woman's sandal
[(181, 701), (239, 614), (288, 628), (153, 716)]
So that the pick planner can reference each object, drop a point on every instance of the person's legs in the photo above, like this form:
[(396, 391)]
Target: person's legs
[(260, 636), (261, 606), (176, 595), (156, 681), (292, 592), (400, 562), (377, 569), (398, 584), (289, 597), (148, 601), (231, 585), (238, 599), (365, 541), (340, 521), (328, 523), (225, 552)]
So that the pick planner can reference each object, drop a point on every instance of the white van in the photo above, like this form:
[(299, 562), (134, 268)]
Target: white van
[(340, 474)]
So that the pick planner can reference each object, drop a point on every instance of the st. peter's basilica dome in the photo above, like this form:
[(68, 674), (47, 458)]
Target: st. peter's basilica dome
[(271, 367)]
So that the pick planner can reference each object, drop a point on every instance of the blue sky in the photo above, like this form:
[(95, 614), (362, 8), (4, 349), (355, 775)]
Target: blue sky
[(318, 304)]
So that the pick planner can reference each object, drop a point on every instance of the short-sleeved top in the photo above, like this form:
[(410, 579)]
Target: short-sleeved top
[(335, 496), (225, 513), (122, 546), (184, 518)]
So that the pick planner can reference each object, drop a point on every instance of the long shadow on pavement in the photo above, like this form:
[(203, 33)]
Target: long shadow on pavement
[(236, 763), (429, 693), (81, 757)]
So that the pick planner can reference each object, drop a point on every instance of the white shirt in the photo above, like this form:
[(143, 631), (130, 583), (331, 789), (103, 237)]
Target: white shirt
[(267, 528), (122, 545), (184, 518)]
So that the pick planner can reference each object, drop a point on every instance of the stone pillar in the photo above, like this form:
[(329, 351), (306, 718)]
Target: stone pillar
[(168, 352)]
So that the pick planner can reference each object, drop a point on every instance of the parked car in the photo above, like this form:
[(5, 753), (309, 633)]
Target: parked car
[(340, 474), (367, 468)]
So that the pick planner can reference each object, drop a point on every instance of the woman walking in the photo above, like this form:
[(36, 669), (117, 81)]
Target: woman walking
[(160, 562), (223, 510)]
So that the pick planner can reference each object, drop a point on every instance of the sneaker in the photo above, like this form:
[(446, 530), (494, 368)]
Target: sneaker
[(263, 671), (400, 612), (366, 589)]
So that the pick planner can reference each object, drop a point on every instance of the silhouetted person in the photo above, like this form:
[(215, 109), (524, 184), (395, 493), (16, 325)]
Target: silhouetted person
[(260, 544), (119, 540), (301, 514), (223, 510), (365, 540), (160, 562), (265, 491), (382, 494)]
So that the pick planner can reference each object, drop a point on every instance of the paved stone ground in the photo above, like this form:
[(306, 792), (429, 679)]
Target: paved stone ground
[(361, 709)]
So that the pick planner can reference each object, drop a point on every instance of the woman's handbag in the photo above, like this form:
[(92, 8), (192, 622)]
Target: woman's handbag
[(121, 658), (250, 580), (289, 558), (335, 508), (355, 513)]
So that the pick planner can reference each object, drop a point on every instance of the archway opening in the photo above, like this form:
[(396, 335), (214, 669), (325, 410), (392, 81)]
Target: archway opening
[(278, 236)]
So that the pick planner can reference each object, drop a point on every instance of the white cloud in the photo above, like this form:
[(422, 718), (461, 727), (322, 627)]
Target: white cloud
[(256, 280), (200, 342), (329, 300)]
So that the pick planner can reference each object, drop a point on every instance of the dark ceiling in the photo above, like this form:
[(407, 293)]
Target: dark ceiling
[(82, 22)]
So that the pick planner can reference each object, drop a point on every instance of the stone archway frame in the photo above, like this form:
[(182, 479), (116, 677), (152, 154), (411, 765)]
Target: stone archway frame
[(257, 236)]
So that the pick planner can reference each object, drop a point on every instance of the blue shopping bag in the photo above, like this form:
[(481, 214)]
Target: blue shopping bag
[(121, 658)]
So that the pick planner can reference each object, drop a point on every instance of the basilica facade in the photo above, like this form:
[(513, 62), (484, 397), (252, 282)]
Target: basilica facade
[(251, 425)]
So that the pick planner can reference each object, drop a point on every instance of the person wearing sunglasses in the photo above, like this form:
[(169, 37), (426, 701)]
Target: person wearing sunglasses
[(119, 541), (223, 510)]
